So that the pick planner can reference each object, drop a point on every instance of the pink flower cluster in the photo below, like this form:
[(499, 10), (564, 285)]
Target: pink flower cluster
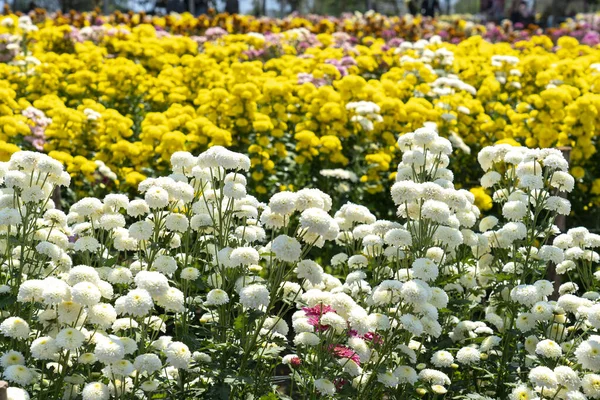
[(40, 123)]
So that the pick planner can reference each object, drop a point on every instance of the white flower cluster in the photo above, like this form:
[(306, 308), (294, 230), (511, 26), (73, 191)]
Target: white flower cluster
[(429, 52), (506, 72), (451, 83), (197, 281), (366, 113)]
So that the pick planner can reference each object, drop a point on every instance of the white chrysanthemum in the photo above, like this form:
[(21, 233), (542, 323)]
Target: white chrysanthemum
[(435, 211), (442, 358), (15, 393), (525, 294), (51, 250), (412, 324), (255, 296), (272, 220), (31, 291), (315, 221), (358, 318), (70, 312), (415, 292), (306, 339), (568, 287), (116, 201), (339, 173), (593, 315), (70, 339), (14, 328), (138, 302), (588, 354), (182, 160), (137, 208), (283, 203), (567, 377), (129, 344), (86, 243), (530, 344), (122, 368), (55, 291), (325, 387), (150, 386), (177, 222), (543, 377), (102, 314), (489, 343), (109, 350), (562, 181), (12, 357), (312, 198), (178, 355), (559, 205), (44, 348), (542, 311), (551, 253), (189, 274), (591, 385), (522, 392), (243, 256), (148, 363), (335, 321), (172, 300), (141, 230), (379, 322), (216, 297), (468, 356), (487, 223), (339, 259), (19, 374), (405, 191), (358, 261), (490, 178), (439, 298), (86, 293), (120, 275), (525, 322), (309, 270), (87, 206), (425, 269), (434, 377), (156, 197), (234, 190), (548, 348), (514, 210), (398, 237), (154, 282), (111, 221), (10, 216), (571, 303), (165, 265), (291, 290), (286, 248), (95, 391), (406, 374)]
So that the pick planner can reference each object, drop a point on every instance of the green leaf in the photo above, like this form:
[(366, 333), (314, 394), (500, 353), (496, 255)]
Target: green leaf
[(238, 323), (221, 392), (7, 300)]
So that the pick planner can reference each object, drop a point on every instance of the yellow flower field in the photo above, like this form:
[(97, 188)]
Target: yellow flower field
[(114, 102)]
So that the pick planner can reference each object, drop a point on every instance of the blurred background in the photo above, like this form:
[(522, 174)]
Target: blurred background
[(545, 13)]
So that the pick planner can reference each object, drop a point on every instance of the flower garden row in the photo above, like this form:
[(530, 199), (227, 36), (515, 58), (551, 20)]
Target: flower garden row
[(301, 214)]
